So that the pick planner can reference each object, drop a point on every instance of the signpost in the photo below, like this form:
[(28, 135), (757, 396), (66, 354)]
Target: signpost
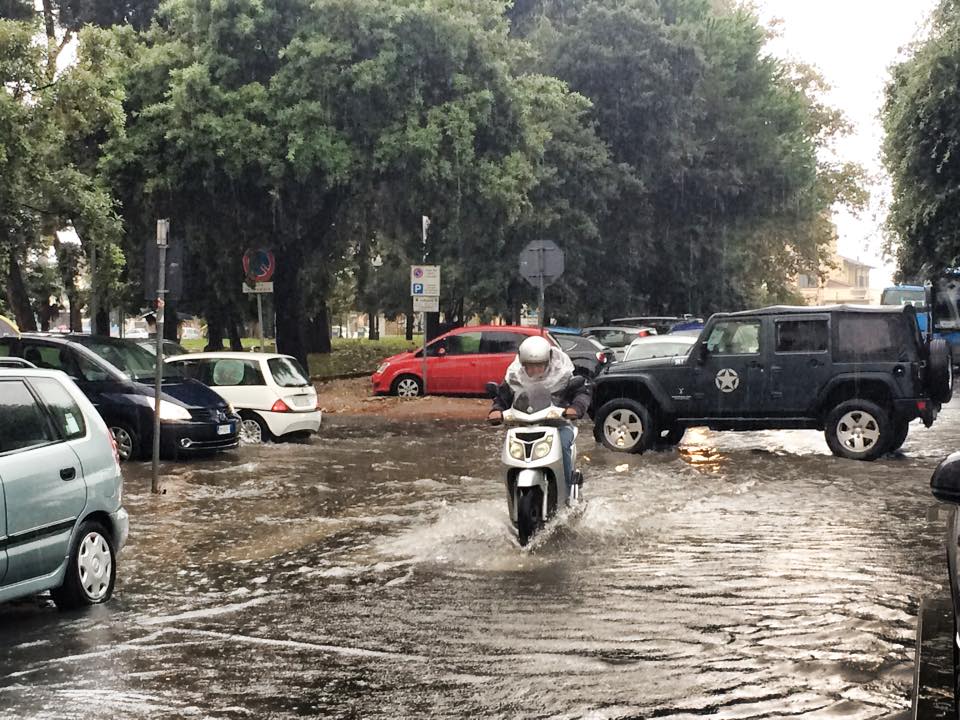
[(541, 264), (425, 291), (163, 231), (258, 268)]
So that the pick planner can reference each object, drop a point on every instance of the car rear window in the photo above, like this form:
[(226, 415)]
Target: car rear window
[(865, 338), (66, 413), (802, 336), (23, 423), (287, 372)]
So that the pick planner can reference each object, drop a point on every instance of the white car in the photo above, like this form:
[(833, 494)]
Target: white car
[(655, 346), (271, 393)]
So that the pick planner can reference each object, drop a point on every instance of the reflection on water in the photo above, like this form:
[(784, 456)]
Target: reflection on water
[(374, 573)]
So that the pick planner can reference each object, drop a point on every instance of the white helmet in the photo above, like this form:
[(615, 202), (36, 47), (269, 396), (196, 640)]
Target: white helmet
[(535, 350)]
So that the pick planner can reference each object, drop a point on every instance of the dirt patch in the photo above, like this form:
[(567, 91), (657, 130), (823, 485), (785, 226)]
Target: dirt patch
[(354, 397)]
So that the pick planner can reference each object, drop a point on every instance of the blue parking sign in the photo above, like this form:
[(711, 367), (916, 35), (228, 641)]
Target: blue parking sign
[(418, 288)]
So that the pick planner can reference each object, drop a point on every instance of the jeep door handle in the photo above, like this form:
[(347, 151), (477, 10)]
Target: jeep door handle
[(68, 473), (756, 364)]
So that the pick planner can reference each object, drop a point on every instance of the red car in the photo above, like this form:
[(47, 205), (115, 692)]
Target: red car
[(460, 362)]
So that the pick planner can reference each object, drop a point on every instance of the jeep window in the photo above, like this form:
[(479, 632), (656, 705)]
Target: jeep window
[(865, 338), (23, 423), (66, 414), (735, 337), (808, 336)]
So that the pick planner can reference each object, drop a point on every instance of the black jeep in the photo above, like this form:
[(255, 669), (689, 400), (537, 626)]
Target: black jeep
[(860, 374)]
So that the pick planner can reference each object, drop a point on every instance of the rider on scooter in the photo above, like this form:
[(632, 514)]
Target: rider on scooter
[(539, 364)]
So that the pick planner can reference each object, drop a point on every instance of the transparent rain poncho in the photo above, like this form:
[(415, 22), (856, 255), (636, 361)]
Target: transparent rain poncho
[(553, 381)]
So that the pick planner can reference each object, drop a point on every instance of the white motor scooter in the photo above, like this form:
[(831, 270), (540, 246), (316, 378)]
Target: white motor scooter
[(535, 482)]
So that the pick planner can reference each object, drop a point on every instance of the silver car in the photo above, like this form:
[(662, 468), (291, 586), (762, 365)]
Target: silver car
[(62, 520)]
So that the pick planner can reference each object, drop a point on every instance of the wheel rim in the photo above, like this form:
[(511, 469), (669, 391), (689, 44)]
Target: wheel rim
[(623, 428), (251, 432), (408, 387), (858, 431), (95, 566), (124, 442)]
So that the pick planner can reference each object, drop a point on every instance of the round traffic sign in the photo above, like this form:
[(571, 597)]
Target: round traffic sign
[(259, 265)]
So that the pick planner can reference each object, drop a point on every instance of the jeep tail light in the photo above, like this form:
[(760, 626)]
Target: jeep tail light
[(601, 357), (280, 406), (922, 405)]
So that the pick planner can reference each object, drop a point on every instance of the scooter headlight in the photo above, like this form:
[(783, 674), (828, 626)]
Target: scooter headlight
[(516, 450), (542, 448)]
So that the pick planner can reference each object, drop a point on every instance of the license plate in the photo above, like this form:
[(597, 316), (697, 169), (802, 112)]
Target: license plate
[(224, 429)]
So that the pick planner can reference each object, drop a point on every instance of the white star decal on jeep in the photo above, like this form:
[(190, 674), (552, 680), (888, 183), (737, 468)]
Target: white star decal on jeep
[(727, 380)]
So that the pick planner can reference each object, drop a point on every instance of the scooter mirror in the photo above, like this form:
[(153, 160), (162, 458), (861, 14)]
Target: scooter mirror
[(492, 390), (576, 382)]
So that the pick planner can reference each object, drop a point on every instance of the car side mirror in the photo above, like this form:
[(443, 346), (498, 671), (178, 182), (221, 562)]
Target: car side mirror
[(945, 481), (441, 352), (703, 352), (492, 390)]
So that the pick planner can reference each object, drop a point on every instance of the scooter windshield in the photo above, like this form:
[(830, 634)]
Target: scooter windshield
[(533, 400)]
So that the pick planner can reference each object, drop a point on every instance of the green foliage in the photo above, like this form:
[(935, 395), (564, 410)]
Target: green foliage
[(921, 146)]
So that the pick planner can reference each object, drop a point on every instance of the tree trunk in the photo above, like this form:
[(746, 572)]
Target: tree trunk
[(214, 332), (17, 297), (233, 327), (101, 323), (170, 325), (410, 321), (288, 297), (373, 318), (319, 331)]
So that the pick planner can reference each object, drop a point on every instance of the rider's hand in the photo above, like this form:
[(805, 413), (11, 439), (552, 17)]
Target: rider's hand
[(495, 417), (571, 413)]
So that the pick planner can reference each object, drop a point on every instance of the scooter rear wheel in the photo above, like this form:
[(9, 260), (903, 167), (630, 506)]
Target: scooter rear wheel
[(529, 514)]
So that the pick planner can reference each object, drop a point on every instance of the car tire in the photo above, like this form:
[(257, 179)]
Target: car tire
[(128, 442), (670, 435), (624, 425), (253, 429), (941, 371), (91, 569), (900, 431), (407, 386), (858, 430)]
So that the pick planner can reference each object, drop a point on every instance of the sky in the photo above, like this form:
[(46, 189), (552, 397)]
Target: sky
[(853, 43)]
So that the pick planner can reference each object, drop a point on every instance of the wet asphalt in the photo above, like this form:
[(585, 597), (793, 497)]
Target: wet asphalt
[(373, 573)]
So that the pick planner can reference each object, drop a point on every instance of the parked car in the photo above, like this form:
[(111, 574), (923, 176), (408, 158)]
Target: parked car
[(168, 347), (945, 485), (588, 355), (556, 330), (859, 374), (658, 346), (117, 376), (271, 393), (663, 324), (460, 362), (617, 337), (62, 520)]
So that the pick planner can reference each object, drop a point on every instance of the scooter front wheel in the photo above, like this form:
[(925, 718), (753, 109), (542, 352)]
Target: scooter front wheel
[(529, 513)]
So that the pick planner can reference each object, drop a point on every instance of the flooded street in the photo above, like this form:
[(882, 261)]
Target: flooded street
[(373, 573)]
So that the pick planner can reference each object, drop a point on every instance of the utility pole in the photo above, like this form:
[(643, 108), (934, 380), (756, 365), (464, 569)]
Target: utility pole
[(163, 230)]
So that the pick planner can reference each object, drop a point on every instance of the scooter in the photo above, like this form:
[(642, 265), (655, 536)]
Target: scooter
[(533, 454)]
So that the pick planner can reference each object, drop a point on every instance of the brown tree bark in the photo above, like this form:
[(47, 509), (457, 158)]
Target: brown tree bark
[(17, 296)]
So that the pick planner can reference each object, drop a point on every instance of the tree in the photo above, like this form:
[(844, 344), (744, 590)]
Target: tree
[(922, 137)]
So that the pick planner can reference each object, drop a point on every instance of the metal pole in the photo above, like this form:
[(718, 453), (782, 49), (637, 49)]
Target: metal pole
[(423, 324), (94, 304), (540, 311), (163, 227), (260, 319)]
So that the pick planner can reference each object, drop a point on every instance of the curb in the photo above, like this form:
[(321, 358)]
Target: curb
[(344, 376)]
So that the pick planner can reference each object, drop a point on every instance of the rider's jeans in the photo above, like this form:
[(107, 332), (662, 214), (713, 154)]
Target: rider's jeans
[(566, 443)]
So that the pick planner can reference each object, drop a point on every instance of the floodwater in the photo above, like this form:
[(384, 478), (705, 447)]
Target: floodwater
[(372, 573)]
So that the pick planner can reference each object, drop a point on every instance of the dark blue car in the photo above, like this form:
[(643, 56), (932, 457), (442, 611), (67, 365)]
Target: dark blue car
[(118, 376)]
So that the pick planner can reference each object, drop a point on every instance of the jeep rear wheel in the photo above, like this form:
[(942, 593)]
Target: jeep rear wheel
[(858, 430), (625, 426), (940, 371)]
